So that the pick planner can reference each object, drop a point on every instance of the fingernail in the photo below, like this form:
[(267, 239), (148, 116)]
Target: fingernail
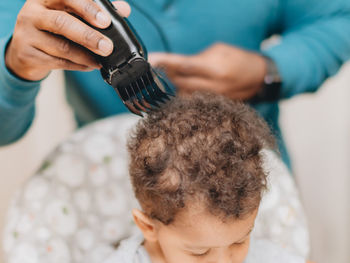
[(103, 19), (105, 46)]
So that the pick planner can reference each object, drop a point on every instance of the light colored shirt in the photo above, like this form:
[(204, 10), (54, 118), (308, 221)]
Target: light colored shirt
[(131, 250)]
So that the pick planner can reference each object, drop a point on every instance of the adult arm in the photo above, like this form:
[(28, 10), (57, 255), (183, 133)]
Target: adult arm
[(46, 36), (16, 96), (315, 42)]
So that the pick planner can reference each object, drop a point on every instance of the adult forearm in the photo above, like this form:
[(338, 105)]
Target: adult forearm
[(313, 47), (14, 124), (17, 100)]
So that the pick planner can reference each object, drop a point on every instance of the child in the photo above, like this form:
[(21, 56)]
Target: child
[(196, 170)]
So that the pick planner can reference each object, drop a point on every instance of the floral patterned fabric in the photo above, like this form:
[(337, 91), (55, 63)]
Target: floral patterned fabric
[(79, 203)]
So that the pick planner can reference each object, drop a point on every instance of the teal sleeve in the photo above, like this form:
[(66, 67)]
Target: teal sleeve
[(315, 43), (17, 97), (16, 102)]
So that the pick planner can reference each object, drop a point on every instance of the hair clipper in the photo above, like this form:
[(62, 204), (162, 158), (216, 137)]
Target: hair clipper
[(127, 70)]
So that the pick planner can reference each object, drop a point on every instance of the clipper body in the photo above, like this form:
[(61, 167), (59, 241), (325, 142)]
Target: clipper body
[(127, 70)]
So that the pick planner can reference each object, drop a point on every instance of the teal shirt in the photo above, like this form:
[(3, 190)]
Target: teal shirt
[(315, 42)]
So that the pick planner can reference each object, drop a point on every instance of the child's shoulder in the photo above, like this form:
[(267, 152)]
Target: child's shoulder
[(265, 251), (130, 251)]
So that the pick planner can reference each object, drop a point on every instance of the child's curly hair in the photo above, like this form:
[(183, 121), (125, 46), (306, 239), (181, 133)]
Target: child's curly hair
[(205, 148)]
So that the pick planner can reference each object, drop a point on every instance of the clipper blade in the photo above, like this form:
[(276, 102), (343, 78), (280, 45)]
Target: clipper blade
[(140, 87)]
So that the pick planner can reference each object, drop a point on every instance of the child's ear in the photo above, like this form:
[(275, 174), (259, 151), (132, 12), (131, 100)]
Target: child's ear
[(145, 224)]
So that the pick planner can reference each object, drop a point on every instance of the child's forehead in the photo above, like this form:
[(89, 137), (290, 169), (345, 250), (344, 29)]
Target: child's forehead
[(194, 208), (203, 229), (196, 214)]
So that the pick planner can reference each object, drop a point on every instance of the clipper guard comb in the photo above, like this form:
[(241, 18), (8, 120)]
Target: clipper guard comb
[(127, 70)]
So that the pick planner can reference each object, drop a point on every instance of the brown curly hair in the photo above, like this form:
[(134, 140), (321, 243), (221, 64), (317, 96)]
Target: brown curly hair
[(205, 147)]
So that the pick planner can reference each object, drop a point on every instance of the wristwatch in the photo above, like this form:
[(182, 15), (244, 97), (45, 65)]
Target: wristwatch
[(270, 92)]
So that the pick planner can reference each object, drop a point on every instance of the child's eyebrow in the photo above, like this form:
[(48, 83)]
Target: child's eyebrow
[(239, 240)]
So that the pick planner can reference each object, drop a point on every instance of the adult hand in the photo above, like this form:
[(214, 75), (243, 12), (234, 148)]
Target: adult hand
[(47, 36), (222, 68)]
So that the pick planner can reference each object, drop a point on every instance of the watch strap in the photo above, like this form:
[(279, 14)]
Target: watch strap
[(270, 92)]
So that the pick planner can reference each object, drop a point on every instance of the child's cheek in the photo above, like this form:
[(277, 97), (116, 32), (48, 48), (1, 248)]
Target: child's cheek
[(240, 252)]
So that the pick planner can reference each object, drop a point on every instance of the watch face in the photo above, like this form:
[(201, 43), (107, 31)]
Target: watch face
[(269, 79), (272, 76), (270, 91)]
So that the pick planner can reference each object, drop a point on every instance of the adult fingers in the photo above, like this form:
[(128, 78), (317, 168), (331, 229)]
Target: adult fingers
[(89, 10), (86, 9), (64, 24), (180, 65), (191, 84), (60, 47), (57, 63), (123, 8)]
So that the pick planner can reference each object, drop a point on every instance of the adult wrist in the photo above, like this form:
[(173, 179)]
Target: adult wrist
[(271, 86), (12, 87), (10, 68)]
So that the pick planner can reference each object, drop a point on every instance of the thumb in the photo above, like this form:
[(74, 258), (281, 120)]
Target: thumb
[(158, 59), (180, 64), (123, 8), (170, 62)]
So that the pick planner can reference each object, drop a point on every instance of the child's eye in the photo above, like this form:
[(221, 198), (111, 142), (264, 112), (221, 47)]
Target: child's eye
[(200, 254), (241, 243)]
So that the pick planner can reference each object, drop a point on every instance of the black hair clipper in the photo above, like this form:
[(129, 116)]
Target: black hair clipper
[(127, 70)]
